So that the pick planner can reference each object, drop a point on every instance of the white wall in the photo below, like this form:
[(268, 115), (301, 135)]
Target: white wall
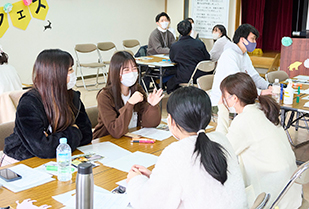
[(175, 9), (79, 21)]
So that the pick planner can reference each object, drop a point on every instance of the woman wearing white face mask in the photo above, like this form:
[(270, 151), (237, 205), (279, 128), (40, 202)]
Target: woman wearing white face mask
[(198, 171), (49, 111), (220, 39), (264, 153), (123, 103)]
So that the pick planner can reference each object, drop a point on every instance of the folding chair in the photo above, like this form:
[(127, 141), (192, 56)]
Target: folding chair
[(261, 201), (281, 75), (205, 66), (129, 44), (88, 49), (300, 176)]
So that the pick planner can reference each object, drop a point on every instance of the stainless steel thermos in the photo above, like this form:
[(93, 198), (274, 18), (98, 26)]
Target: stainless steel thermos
[(84, 186)]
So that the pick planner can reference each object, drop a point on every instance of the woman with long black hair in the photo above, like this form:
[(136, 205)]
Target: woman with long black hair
[(49, 111), (198, 171)]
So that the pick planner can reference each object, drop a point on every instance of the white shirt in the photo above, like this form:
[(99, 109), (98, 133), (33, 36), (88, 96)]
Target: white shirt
[(232, 61), (180, 181), (218, 48), (133, 121), (264, 154), (9, 79)]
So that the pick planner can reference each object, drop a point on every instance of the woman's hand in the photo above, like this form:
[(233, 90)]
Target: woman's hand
[(268, 91), (132, 173), (136, 98), (155, 97), (143, 170)]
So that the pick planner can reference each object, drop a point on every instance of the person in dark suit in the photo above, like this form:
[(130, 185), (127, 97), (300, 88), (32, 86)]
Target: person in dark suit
[(187, 53)]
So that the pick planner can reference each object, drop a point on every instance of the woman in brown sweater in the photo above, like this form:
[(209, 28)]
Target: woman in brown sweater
[(123, 104)]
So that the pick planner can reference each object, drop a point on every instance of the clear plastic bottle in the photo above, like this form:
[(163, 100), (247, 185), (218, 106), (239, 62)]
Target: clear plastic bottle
[(276, 90), (64, 160)]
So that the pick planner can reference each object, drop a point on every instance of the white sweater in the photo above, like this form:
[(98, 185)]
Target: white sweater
[(264, 154), (180, 181), (232, 61), (9, 79), (218, 48)]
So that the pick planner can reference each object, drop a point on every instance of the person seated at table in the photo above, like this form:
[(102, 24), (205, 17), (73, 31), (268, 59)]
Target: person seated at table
[(187, 53), (235, 59), (194, 34), (123, 104), (198, 171), (220, 39), (9, 79), (161, 38), (260, 143), (49, 111)]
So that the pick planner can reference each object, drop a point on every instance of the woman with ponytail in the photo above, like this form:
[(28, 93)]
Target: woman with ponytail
[(260, 143), (198, 171)]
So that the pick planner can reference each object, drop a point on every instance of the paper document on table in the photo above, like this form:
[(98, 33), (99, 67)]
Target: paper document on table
[(29, 178), (108, 150), (122, 183), (305, 98), (209, 127), (306, 104), (302, 77), (163, 64), (166, 56), (140, 158), (153, 133)]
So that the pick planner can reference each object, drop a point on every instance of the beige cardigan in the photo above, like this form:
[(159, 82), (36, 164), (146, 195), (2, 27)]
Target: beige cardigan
[(264, 154)]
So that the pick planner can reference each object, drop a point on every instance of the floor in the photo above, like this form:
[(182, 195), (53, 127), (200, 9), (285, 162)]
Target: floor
[(302, 153)]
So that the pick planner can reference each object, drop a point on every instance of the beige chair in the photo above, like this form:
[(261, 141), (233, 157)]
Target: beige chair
[(92, 113), (6, 129), (300, 176), (129, 44), (261, 201), (205, 66), (106, 47), (281, 75), (205, 82), (88, 57)]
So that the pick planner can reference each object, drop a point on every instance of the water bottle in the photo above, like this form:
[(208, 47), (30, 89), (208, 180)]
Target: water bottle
[(64, 160), (84, 186), (276, 90)]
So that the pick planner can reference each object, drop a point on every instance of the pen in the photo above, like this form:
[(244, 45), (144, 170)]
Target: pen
[(143, 141)]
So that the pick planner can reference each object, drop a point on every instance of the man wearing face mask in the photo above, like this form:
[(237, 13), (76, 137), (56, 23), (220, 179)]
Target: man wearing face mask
[(235, 59), (161, 38)]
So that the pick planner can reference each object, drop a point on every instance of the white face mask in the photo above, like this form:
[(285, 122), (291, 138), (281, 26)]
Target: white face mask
[(231, 109), (72, 81), (192, 24), (164, 25), (215, 36), (129, 79)]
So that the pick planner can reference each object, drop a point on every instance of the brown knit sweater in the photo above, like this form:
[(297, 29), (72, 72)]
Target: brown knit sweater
[(115, 123), (159, 42)]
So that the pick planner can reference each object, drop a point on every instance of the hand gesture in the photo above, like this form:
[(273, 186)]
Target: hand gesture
[(136, 98), (267, 91), (143, 170), (155, 97), (132, 173)]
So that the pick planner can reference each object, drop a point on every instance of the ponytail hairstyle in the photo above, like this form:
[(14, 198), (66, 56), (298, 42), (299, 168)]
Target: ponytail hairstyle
[(242, 85), (190, 108)]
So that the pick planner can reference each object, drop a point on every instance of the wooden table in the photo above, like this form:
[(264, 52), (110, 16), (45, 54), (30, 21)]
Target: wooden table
[(154, 61), (104, 176), (297, 112)]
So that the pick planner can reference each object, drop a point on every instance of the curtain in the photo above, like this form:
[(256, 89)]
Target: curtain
[(278, 23), (253, 13)]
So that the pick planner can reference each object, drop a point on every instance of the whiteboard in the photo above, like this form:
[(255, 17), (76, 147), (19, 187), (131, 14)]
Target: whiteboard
[(208, 13)]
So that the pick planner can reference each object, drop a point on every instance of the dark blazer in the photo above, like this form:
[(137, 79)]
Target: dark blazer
[(187, 53), (31, 124)]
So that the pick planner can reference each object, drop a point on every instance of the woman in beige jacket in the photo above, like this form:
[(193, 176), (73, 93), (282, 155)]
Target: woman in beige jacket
[(264, 153)]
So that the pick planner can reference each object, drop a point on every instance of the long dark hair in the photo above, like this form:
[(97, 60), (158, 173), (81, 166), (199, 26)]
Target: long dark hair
[(222, 29), (242, 85), (113, 85), (49, 78), (3, 58), (190, 108)]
